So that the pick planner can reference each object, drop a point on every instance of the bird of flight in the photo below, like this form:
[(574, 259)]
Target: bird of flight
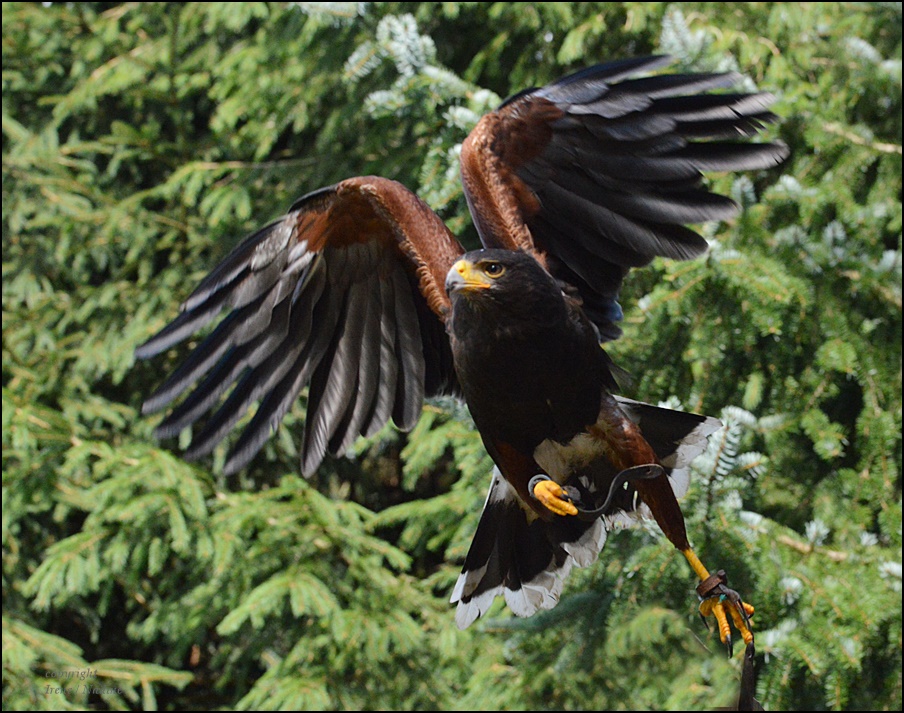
[(363, 296)]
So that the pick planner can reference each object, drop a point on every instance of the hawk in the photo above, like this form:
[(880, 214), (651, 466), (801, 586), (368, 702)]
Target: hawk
[(361, 295)]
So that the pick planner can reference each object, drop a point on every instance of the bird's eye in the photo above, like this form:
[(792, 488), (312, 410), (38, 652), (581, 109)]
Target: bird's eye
[(493, 269)]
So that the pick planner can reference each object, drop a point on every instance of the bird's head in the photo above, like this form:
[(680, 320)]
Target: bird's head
[(506, 281), (477, 272)]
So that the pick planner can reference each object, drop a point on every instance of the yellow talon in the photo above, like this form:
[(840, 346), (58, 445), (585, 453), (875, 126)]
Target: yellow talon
[(740, 623), (554, 498), (719, 605), (714, 607)]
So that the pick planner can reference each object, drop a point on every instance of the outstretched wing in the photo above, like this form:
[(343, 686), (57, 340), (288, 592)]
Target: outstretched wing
[(344, 295), (598, 172)]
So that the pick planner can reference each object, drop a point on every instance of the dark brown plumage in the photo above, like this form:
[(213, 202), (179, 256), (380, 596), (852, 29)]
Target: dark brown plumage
[(361, 295)]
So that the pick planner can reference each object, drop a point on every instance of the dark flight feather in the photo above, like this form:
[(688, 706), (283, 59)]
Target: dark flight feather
[(345, 298)]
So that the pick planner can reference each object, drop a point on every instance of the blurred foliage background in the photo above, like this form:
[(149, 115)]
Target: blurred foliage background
[(141, 141)]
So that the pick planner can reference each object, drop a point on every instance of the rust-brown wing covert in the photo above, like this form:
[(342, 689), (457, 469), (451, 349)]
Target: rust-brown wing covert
[(599, 172), (344, 295)]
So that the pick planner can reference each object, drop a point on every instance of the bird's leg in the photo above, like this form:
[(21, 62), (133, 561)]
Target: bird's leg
[(716, 598), (552, 495), (636, 460)]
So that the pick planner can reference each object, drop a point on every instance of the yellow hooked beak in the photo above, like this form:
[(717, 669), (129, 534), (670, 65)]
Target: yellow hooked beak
[(465, 276)]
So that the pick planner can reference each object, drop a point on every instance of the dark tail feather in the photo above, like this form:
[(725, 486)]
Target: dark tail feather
[(521, 557)]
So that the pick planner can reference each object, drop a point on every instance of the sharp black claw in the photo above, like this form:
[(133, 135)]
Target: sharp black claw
[(730, 645), (571, 494), (743, 612)]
